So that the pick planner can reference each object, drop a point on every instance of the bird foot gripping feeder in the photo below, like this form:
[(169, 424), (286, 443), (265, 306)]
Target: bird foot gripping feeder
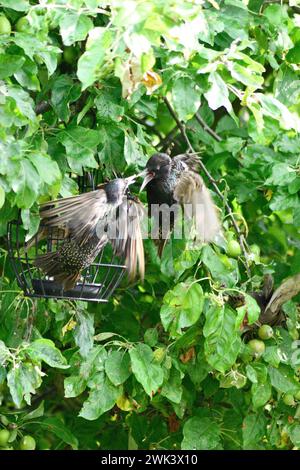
[(97, 282)]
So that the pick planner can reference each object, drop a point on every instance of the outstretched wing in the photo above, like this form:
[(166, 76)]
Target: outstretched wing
[(125, 235), (194, 197), (78, 215), (189, 161), (286, 291)]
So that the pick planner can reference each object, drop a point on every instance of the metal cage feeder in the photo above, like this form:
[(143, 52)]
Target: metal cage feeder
[(97, 282)]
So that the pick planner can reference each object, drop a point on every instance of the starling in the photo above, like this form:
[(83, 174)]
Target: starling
[(173, 181), (88, 222)]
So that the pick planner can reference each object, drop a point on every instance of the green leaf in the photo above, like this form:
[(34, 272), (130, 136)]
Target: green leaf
[(37, 413), (113, 138), (74, 27), (84, 332), (4, 353), (27, 75), (275, 14), (261, 394), (189, 338), (151, 337), (104, 336), (117, 367), (233, 379), (277, 110), (23, 380), (101, 399), (173, 389), (34, 47), (246, 75), (235, 18), (282, 174), (94, 362), (74, 386), (201, 434), (80, 144), (132, 154), (282, 378), (146, 371), (198, 370), (186, 98), (257, 372), (9, 64), (48, 170), (272, 356), (25, 183), (254, 428), (55, 426), (178, 309), (293, 55), (222, 270), (64, 92), (294, 434), (250, 311), (23, 101), (186, 260), (283, 201), (108, 108), (18, 5), (287, 85), (218, 94), (30, 222), (90, 63), (45, 350), (222, 343), (294, 185)]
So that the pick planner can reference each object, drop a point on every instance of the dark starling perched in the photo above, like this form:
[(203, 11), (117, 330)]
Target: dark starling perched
[(88, 222), (176, 180)]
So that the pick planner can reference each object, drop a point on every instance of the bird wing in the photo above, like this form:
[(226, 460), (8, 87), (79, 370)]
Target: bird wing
[(188, 160), (79, 215), (286, 291), (193, 195), (126, 235)]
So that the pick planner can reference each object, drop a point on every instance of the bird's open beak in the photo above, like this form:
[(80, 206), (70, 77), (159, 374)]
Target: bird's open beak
[(131, 179), (149, 177)]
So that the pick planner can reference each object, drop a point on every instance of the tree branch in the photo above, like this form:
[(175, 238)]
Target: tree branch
[(240, 236), (286, 291), (164, 143), (207, 128)]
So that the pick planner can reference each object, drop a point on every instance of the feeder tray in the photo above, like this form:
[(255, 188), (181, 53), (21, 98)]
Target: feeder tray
[(97, 282)]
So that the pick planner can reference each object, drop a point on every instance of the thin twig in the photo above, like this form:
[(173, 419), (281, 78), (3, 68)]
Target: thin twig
[(240, 236), (142, 122), (206, 127), (164, 143)]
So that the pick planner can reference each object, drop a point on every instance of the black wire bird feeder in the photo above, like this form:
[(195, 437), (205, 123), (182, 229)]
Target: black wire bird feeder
[(97, 282)]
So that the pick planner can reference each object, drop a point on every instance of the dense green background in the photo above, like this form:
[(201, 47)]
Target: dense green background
[(164, 365)]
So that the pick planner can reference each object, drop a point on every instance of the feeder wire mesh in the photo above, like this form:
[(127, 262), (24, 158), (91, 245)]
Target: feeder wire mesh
[(97, 282)]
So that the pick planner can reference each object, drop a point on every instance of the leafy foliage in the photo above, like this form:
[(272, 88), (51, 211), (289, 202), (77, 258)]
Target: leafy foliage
[(165, 364)]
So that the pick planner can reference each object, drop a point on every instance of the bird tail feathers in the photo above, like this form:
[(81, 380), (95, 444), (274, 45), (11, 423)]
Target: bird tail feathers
[(205, 216), (50, 264), (198, 206)]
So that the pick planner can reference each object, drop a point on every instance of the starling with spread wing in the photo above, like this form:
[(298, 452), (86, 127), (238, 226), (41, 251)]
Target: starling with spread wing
[(86, 222), (171, 181)]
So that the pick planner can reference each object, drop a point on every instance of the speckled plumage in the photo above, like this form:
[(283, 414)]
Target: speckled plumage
[(84, 220), (66, 264), (177, 180)]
